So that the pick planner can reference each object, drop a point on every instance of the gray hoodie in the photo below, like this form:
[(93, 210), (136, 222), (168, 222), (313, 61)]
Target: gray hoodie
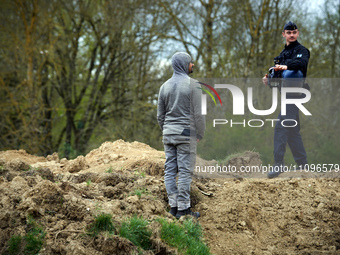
[(179, 101)]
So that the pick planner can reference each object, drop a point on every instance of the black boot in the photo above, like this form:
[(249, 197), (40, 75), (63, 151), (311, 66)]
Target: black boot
[(173, 211), (188, 211)]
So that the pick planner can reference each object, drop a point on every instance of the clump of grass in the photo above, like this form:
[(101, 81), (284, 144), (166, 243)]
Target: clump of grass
[(31, 243), (32, 168), (139, 174), (109, 170), (88, 182), (14, 245), (102, 222), (187, 237), (34, 238), (34, 241), (136, 230), (139, 192)]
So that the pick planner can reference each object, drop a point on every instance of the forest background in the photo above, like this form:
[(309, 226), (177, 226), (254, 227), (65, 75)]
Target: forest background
[(74, 74)]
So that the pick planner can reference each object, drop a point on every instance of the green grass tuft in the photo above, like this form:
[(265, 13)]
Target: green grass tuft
[(88, 182), (187, 237), (34, 241), (139, 173), (14, 245), (102, 222), (139, 192), (31, 243), (110, 170), (34, 238), (31, 168), (136, 230)]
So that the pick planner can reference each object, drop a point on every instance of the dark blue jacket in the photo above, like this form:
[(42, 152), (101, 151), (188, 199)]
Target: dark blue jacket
[(295, 56)]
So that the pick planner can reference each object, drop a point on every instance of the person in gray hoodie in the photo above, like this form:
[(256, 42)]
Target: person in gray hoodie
[(183, 125)]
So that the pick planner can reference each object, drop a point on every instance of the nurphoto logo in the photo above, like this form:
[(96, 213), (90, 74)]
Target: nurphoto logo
[(239, 105)]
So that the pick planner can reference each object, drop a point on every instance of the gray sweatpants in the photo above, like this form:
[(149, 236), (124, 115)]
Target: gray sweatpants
[(180, 153)]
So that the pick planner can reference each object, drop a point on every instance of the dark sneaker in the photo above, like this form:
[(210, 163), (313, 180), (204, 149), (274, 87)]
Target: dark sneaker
[(188, 211), (173, 211), (278, 168)]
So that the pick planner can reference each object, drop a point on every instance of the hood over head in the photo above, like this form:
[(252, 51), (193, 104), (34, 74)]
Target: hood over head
[(180, 63)]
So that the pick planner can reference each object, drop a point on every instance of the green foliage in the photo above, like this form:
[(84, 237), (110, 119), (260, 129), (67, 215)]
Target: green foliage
[(88, 182), (68, 151), (102, 222), (14, 245), (136, 230), (139, 192), (32, 168), (34, 238), (34, 241), (139, 173), (187, 237), (109, 170), (80, 93), (31, 243)]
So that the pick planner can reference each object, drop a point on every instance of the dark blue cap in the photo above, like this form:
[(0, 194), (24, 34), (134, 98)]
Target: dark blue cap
[(290, 26)]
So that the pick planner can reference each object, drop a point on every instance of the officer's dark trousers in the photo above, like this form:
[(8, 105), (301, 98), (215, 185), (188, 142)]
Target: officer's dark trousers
[(290, 135)]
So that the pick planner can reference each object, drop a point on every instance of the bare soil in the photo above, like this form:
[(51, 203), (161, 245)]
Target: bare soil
[(240, 214)]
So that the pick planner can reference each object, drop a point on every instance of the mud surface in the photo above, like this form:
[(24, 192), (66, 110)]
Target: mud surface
[(239, 214)]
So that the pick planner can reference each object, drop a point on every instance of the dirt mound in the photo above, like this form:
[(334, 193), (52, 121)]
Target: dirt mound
[(281, 216), (7, 156), (248, 158), (239, 215), (134, 156)]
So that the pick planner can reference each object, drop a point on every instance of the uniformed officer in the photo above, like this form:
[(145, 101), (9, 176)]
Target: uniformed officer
[(291, 63)]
